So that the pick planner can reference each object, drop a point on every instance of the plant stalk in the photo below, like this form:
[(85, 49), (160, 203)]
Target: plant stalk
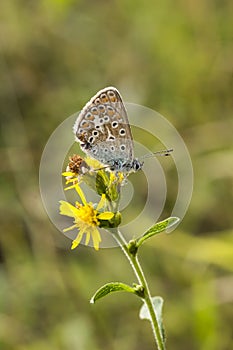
[(136, 266)]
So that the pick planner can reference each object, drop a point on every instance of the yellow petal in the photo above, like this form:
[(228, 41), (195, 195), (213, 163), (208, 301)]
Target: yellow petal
[(87, 238), (69, 188), (68, 209), (68, 173), (74, 180), (107, 215), (77, 240), (69, 228), (96, 238), (74, 244), (81, 194), (102, 202)]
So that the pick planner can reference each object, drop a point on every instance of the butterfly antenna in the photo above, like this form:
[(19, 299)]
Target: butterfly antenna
[(165, 152)]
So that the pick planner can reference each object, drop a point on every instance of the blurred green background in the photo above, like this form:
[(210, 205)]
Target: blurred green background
[(172, 56)]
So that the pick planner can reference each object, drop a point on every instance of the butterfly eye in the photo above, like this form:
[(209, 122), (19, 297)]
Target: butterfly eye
[(137, 165)]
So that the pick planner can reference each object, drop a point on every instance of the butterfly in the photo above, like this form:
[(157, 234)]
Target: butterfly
[(103, 131)]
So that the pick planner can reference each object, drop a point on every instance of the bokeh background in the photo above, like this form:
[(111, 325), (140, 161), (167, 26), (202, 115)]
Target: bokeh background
[(172, 56)]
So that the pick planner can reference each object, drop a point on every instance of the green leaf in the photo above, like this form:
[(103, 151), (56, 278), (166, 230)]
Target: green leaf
[(102, 182), (157, 305), (157, 228), (110, 288), (104, 185)]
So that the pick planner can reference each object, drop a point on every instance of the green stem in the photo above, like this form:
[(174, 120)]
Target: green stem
[(142, 281)]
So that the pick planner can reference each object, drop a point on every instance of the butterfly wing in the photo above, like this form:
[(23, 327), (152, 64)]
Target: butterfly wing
[(102, 128)]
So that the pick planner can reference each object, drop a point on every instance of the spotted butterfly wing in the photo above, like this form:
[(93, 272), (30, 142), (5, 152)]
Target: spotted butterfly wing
[(103, 131)]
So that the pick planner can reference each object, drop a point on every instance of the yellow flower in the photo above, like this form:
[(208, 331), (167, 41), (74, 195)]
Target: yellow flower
[(86, 218)]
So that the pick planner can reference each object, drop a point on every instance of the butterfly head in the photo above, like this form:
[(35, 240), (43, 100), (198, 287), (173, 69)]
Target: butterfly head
[(137, 165)]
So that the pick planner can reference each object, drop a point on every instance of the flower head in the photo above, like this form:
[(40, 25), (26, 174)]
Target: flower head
[(76, 168), (87, 219)]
